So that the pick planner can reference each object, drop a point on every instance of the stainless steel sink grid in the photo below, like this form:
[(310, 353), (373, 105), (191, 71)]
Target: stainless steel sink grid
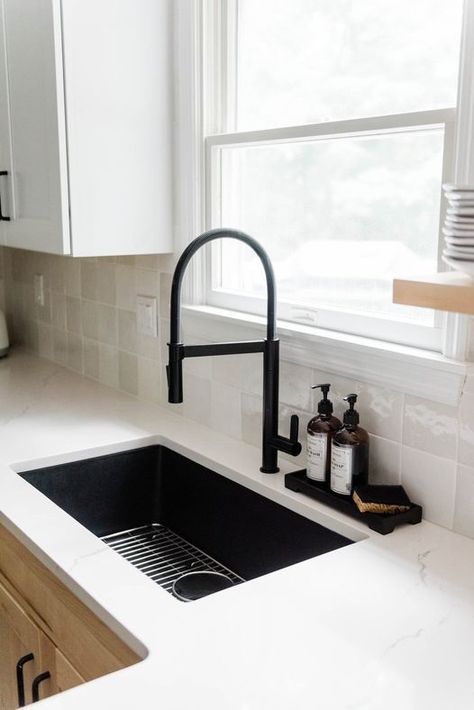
[(163, 555)]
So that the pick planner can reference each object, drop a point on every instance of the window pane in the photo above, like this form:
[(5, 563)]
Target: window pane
[(339, 216), (307, 61)]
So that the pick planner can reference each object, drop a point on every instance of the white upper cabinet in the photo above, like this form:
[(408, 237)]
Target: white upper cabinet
[(85, 126), (34, 193)]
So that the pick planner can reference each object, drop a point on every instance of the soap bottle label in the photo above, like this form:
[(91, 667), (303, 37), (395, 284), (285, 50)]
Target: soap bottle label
[(317, 448), (342, 466)]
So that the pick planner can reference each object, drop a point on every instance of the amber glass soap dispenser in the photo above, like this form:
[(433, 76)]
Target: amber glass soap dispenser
[(349, 453), (321, 429)]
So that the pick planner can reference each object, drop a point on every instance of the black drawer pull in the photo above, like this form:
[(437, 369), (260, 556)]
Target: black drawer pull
[(20, 681), (3, 217), (36, 684)]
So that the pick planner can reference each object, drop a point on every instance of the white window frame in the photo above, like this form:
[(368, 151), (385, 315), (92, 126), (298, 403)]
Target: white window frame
[(197, 136), (340, 321)]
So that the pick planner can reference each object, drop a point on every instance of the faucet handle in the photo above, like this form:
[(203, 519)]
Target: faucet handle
[(291, 445), (294, 426)]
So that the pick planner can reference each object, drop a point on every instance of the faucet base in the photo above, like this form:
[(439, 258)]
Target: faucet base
[(269, 470)]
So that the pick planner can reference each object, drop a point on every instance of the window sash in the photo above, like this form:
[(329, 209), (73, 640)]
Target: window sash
[(374, 125), (369, 326)]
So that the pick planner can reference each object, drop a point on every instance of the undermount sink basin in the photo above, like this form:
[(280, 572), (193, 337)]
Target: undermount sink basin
[(170, 516)]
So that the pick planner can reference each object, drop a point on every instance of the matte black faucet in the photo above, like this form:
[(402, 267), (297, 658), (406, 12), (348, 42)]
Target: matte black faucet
[(270, 347)]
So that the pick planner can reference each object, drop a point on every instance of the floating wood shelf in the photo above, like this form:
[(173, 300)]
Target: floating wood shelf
[(447, 291)]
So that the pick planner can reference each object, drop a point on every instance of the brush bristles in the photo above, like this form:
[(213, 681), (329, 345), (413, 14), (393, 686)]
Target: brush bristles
[(371, 507)]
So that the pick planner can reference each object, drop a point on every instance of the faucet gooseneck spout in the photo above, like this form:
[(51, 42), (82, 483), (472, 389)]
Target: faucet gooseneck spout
[(270, 347)]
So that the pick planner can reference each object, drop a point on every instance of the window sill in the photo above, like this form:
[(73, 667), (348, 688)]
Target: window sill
[(414, 371)]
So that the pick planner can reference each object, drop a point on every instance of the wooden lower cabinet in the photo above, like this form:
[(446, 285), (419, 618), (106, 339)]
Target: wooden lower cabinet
[(26, 652), (49, 640), (65, 676)]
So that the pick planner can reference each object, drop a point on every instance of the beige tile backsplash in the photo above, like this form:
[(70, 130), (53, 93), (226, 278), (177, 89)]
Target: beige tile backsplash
[(88, 324)]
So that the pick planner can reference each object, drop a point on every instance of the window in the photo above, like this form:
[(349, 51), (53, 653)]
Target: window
[(329, 129)]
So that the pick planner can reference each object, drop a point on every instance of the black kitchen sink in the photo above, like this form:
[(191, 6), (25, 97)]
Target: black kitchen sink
[(172, 517)]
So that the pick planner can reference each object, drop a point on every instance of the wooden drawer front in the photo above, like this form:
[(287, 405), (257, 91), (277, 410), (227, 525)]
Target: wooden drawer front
[(92, 648)]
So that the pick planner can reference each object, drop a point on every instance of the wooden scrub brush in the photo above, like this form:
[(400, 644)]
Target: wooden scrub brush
[(381, 499)]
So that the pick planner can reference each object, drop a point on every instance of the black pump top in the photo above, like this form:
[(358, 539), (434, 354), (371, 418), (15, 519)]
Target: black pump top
[(351, 416), (324, 405)]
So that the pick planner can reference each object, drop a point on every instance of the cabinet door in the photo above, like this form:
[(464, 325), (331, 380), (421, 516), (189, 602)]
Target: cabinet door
[(5, 143), (38, 195), (117, 68), (20, 638), (12, 649), (65, 675)]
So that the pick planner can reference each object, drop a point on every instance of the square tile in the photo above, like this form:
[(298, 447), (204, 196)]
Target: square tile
[(384, 461), (2, 293), (107, 324), (148, 346), (252, 413), (58, 310), (72, 276), (464, 506), (41, 312), (469, 384), (57, 274), (127, 331), (18, 265), (126, 260), (147, 283), (74, 352), (30, 335), (108, 365), (125, 287), (106, 286), (466, 429), (226, 415), (431, 482), (45, 341), (89, 279), (430, 426), (73, 315), (226, 369), (91, 358), (381, 411), (60, 350), (165, 294), (128, 372), (197, 398), (90, 322), (149, 379), (147, 261), (295, 385)]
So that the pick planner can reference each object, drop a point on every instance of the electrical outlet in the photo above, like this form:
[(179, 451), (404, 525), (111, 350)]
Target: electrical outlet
[(39, 289), (147, 316)]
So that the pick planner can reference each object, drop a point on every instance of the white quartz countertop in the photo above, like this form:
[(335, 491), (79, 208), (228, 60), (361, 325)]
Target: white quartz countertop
[(385, 623)]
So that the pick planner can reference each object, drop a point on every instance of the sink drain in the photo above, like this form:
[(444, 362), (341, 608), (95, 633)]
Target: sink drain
[(195, 585)]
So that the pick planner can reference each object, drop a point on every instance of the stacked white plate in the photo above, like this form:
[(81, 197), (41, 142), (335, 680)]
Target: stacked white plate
[(458, 228)]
